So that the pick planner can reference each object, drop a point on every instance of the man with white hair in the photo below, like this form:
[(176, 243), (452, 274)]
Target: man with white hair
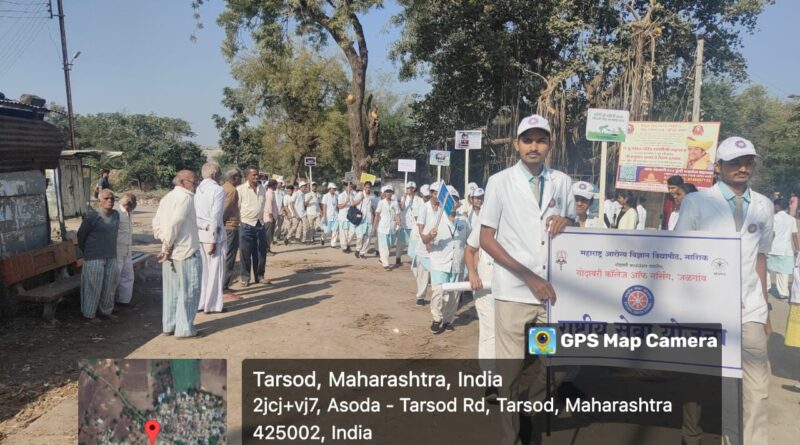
[(125, 277), (387, 223), (175, 225), (209, 203), (330, 210), (410, 205), (97, 239)]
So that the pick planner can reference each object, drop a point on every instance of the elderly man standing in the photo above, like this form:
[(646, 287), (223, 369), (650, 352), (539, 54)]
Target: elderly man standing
[(209, 203), (230, 216), (125, 277), (97, 238), (175, 225), (271, 212), (252, 236)]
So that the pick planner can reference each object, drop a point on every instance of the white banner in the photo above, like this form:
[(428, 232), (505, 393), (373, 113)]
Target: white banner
[(634, 278), (407, 165), (468, 139)]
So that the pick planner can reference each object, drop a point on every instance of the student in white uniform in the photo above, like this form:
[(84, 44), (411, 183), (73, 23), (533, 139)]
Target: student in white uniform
[(732, 207), (584, 197), (280, 194), (425, 222), (346, 229), (387, 224), (479, 267), (124, 240), (642, 212), (476, 202), (330, 210), (415, 244), (780, 262), (364, 203), (300, 223), (409, 205), (313, 215), (525, 205), (466, 205), (447, 238)]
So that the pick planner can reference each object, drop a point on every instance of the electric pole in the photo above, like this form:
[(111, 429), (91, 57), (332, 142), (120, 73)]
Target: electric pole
[(67, 65), (698, 80)]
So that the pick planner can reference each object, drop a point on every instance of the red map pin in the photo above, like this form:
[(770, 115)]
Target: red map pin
[(152, 428)]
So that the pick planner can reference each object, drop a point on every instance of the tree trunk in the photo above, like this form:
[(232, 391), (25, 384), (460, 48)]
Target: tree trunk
[(355, 119)]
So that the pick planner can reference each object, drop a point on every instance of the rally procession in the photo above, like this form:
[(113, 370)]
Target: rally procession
[(561, 208)]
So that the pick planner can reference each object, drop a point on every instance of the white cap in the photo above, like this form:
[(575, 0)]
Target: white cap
[(735, 147), (534, 121), (425, 190), (472, 186), (477, 192), (453, 192), (411, 184), (435, 186), (313, 182), (332, 186), (387, 188), (302, 183), (584, 189)]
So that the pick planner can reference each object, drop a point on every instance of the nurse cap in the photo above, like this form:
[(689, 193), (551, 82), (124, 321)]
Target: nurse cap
[(425, 190), (583, 189)]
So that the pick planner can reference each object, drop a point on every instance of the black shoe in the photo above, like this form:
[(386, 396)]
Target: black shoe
[(491, 395), (448, 327), (347, 250), (436, 327), (286, 242), (322, 243), (244, 283), (420, 302), (567, 391), (358, 255), (387, 268), (397, 262)]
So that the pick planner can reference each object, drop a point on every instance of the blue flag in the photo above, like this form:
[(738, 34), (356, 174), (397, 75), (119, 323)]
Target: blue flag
[(445, 200)]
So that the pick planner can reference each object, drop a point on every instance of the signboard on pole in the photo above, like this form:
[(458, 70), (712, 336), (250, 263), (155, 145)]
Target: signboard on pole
[(439, 157), (349, 176), (407, 165), (606, 125), (311, 161), (368, 177), (468, 139), (654, 151)]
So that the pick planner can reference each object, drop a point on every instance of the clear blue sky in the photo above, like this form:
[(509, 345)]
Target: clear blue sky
[(136, 56)]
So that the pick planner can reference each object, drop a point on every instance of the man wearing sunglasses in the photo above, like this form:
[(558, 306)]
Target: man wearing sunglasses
[(732, 207), (97, 239)]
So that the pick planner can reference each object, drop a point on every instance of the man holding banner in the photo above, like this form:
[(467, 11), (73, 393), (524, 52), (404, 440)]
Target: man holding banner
[(731, 206), (525, 204)]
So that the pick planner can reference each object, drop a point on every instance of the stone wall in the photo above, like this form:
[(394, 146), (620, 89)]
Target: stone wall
[(23, 212)]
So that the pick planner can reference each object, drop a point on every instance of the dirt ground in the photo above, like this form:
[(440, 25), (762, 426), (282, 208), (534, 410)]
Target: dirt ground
[(321, 304)]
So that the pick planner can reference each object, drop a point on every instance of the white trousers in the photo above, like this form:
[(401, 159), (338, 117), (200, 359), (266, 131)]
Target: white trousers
[(212, 278), (423, 278), (443, 304), (346, 234), (781, 281), (383, 248), (126, 279), (484, 305)]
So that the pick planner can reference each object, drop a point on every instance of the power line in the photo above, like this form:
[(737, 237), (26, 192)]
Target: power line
[(29, 30)]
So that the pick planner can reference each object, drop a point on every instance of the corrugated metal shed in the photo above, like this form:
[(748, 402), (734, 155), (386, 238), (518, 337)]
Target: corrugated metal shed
[(27, 144)]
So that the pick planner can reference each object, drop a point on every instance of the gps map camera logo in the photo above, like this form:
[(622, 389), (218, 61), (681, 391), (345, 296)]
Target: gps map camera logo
[(542, 341), (638, 300)]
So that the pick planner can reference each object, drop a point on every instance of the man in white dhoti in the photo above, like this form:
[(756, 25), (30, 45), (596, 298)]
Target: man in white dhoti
[(124, 240), (209, 205), (175, 225)]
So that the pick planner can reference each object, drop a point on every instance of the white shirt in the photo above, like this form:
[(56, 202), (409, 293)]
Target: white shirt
[(447, 249), (124, 233), (209, 205), (594, 223), (345, 198), (642, 217), (485, 262), (365, 206), (673, 219), (785, 227), (299, 203), (330, 206), (251, 204), (175, 224), (388, 211), (427, 219), (411, 208), (279, 195), (511, 208), (707, 210), (612, 208), (312, 208), (286, 205)]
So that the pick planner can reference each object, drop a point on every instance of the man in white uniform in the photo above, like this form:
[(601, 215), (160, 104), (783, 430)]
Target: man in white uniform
[(330, 210), (209, 203), (363, 201), (642, 212), (732, 207), (446, 237), (780, 262), (299, 203), (346, 229), (409, 205), (387, 224), (280, 194), (526, 204), (313, 215), (425, 222), (289, 224)]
